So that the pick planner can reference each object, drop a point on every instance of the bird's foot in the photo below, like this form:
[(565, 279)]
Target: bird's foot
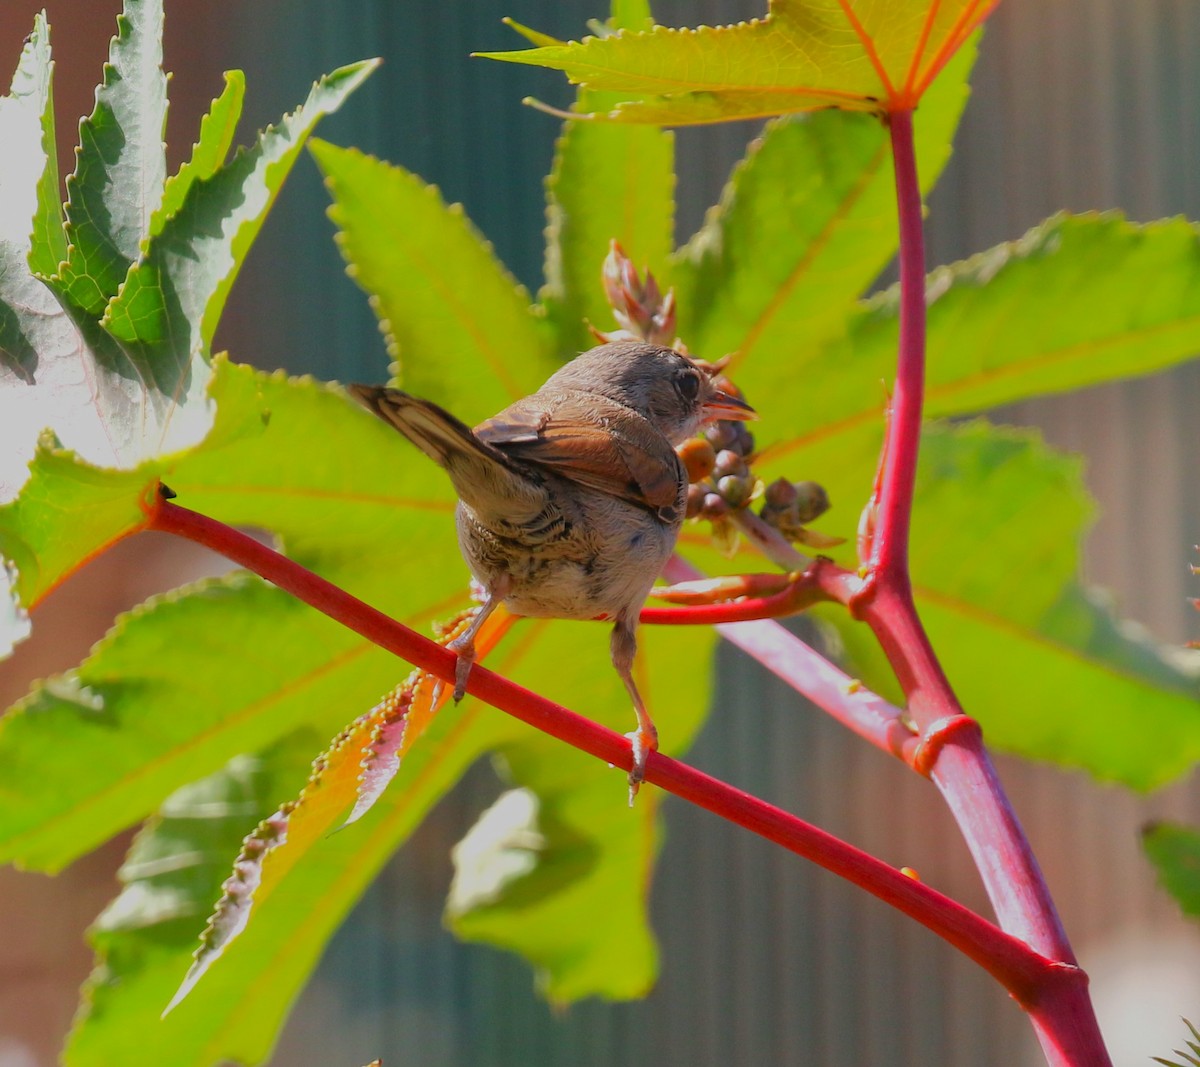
[(465, 651), (644, 741), (464, 648)]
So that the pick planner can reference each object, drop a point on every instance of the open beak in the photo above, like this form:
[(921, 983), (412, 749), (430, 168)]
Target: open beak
[(726, 406)]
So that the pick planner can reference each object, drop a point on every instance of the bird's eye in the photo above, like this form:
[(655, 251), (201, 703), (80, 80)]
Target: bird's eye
[(689, 385)]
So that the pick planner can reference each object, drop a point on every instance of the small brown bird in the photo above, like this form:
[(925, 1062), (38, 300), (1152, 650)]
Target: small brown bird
[(570, 499)]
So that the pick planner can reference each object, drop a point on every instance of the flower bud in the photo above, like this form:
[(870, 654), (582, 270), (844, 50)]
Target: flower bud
[(811, 501), (729, 462), (721, 435), (735, 489), (699, 458), (780, 494), (743, 439)]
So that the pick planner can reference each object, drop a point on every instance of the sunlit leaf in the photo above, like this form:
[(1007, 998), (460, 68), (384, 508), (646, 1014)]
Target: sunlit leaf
[(217, 128), (170, 303), (68, 510), (105, 721), (997, 523), (121, 164), (29, 198), (805, 225), (125, 389), (1048, 312), (595, 856), (237, 1017), (803, 55), (271, 851), (607, 183), (457, 323), (169, 879)]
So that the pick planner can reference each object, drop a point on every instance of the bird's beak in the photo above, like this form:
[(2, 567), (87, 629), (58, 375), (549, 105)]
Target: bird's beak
[(726, 406)]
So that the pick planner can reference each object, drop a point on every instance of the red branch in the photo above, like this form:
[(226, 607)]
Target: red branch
[(799, 665), (889, 560), (1028, 976), (951, 749)]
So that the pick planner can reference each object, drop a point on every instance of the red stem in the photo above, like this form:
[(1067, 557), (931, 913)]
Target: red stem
[(744, 609), (889, 558), (1023, 972), (805, 669), (951, 746)]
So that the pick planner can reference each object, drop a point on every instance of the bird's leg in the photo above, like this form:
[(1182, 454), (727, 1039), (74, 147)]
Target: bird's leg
[(645, 737), (463, 646)]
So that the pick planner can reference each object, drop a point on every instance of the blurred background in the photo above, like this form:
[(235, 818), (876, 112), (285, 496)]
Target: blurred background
[(1077, 104)]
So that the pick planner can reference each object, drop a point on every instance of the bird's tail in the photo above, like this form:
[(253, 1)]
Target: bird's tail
[(482, 475)]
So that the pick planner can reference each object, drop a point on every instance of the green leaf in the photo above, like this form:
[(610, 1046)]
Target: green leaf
[(805, 54), (29, 179), (120, 398), (66, 513), (347, 772), (167, 310), (583, 853), (631, 15), (1052, 311), (457, 323), (69, 511), (391, 221), (607, 183), (172, 873), (805, 225), (237, 1017), (997, 523), (29, 184), (286, 476), (146, 710), (75, 379), (217, 128), (121, 164), (1174, 850), (1055, 310)]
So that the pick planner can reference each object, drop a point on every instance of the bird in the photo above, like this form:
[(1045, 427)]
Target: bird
[(570, 500)]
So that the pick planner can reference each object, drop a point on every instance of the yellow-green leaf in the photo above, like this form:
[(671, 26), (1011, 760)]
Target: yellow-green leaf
[(804, 54), (458, 325)]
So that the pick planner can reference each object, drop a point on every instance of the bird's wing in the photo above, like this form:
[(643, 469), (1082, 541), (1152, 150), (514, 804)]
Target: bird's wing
[(593, 441), (482, 475)]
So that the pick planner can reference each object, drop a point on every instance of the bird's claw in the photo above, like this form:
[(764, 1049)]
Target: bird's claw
[(643, 743), (465, 651)]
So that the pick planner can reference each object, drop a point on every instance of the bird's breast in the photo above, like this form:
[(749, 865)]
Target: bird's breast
[(597, 556)]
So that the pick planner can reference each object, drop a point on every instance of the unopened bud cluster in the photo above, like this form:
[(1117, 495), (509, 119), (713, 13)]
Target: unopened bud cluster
[(720, 472), (791, 506), (718, 466)]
